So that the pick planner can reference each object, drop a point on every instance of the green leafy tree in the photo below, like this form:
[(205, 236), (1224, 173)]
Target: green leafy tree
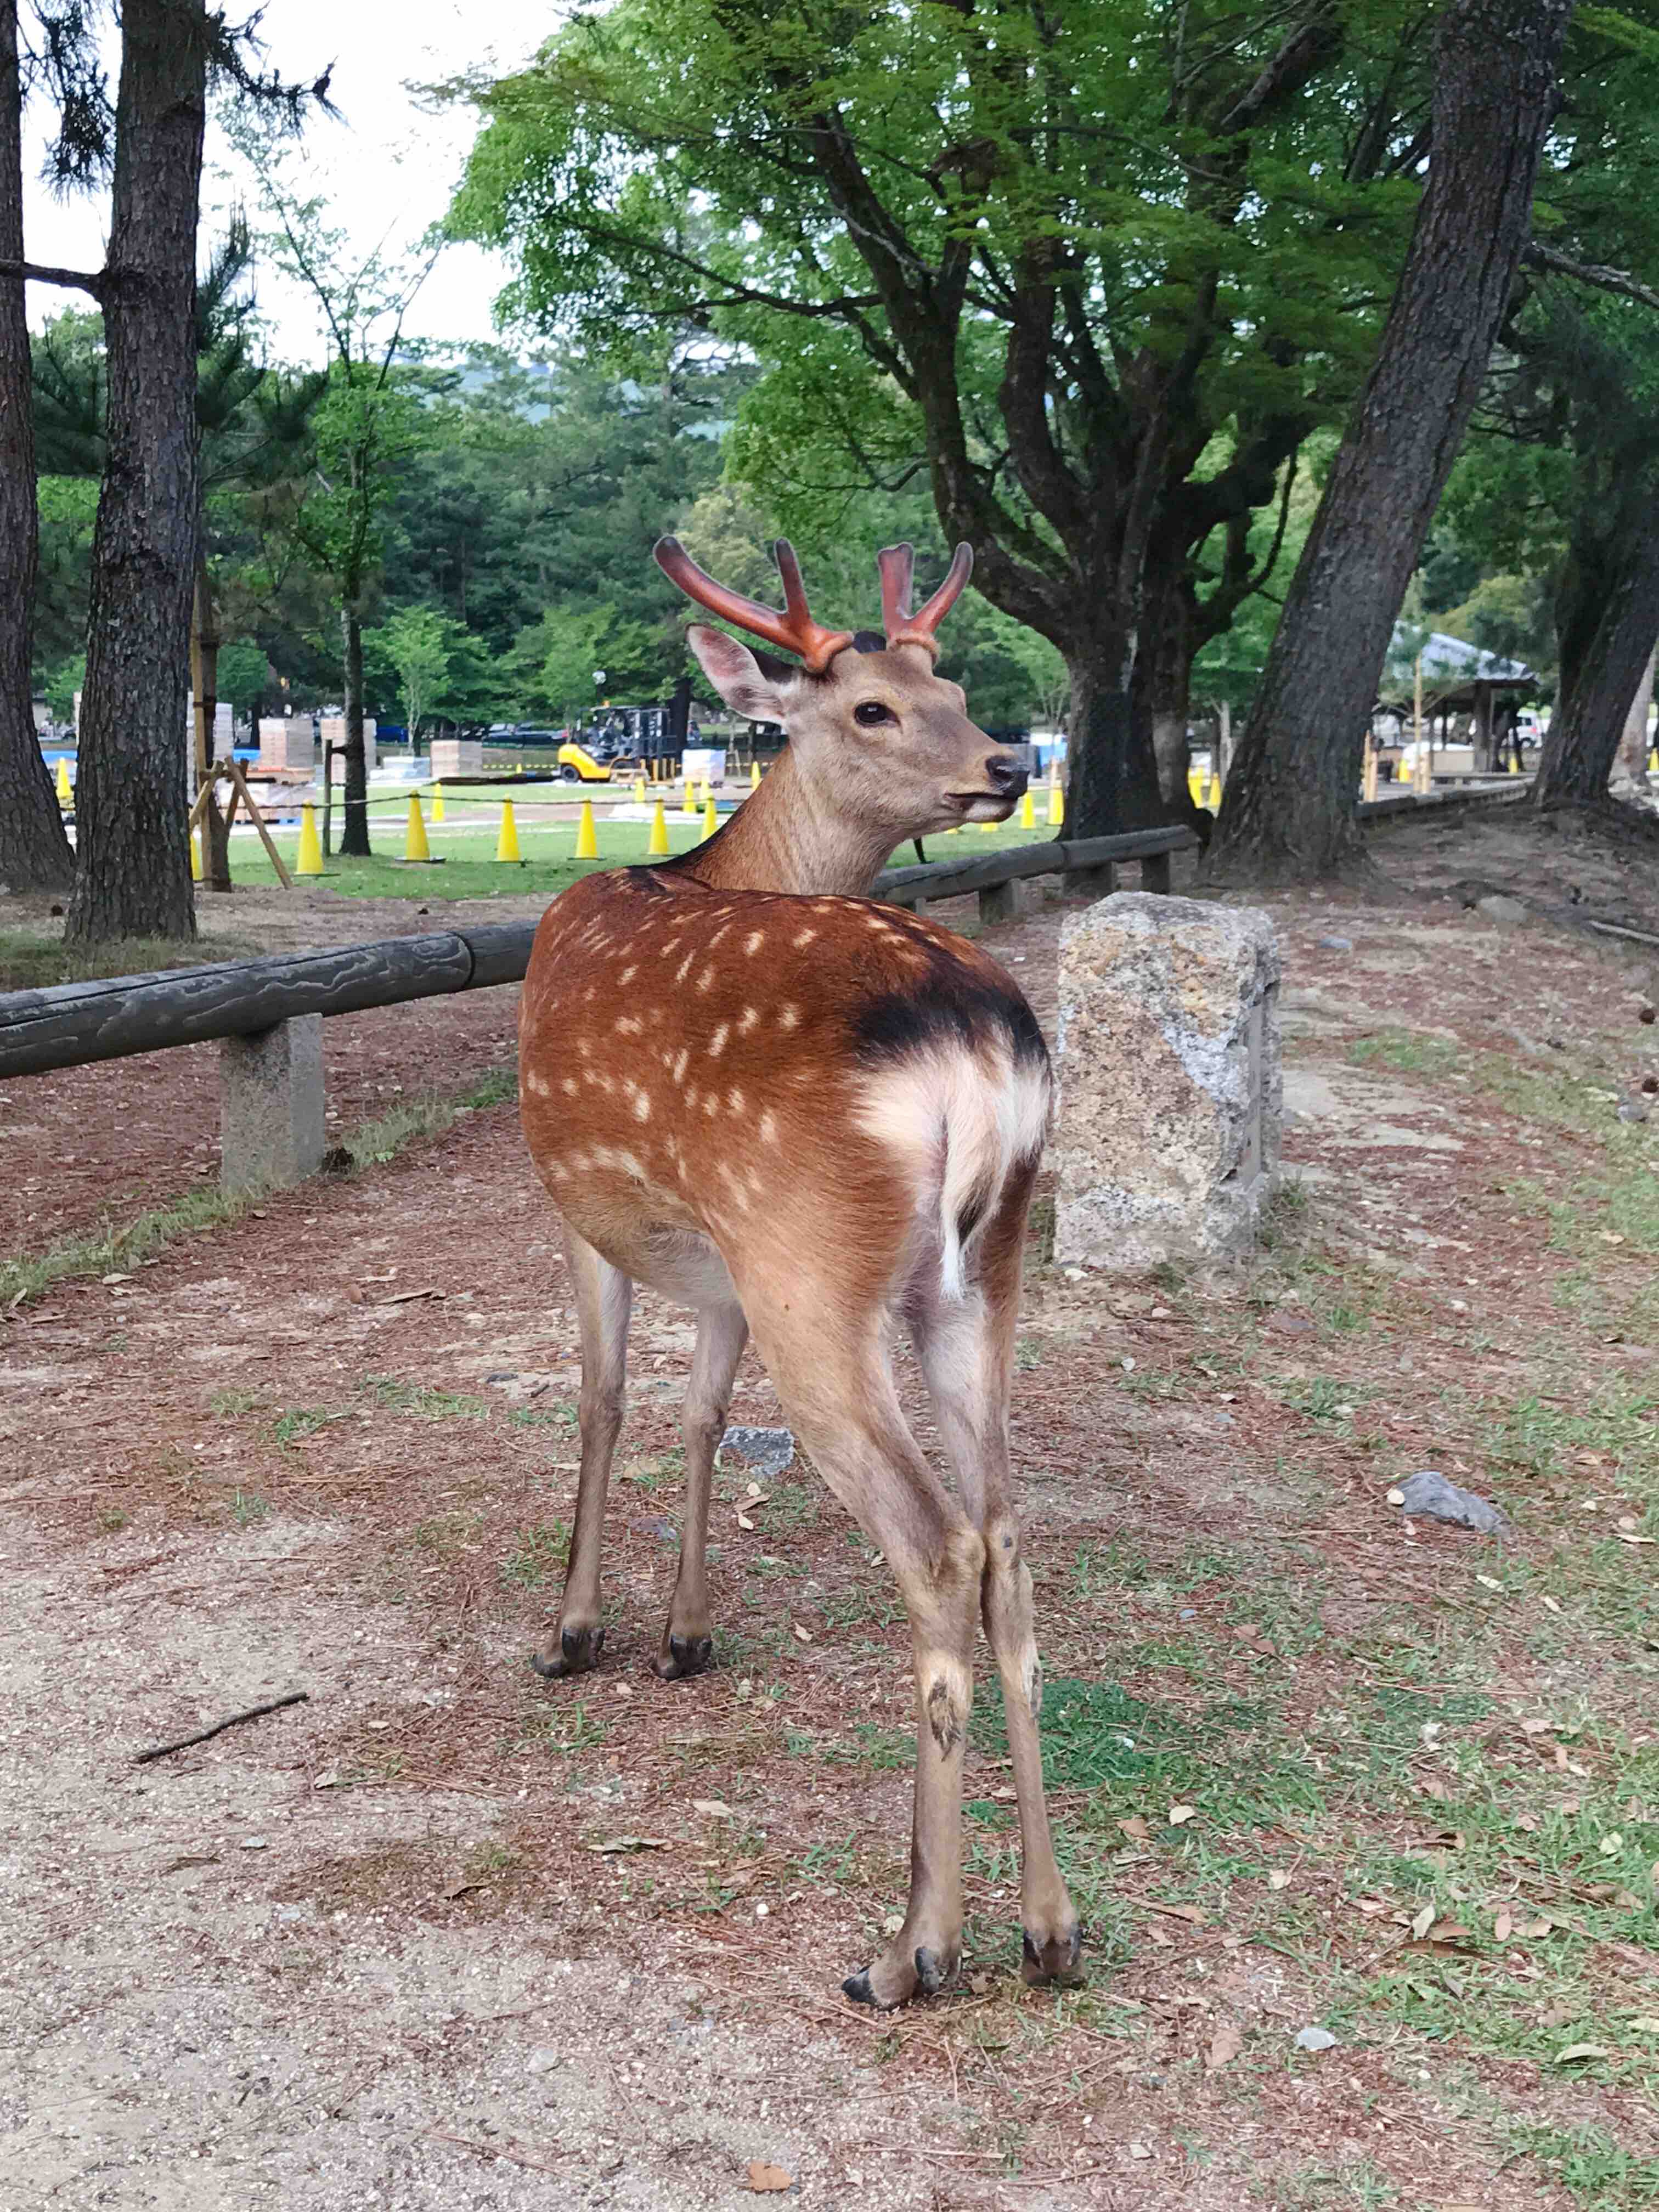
[(419, 646), (244, 674), (1089, 275)]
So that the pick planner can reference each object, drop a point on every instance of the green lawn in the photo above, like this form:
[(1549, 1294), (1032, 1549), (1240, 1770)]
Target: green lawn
[(464, 848)]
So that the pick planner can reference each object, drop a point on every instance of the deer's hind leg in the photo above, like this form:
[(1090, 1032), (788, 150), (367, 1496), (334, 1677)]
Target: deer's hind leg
[(966, 1347), (604, 1298), (834, 1377)]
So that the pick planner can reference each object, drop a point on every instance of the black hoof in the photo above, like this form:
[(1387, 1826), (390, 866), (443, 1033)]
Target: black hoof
[(857, 1986), (683, 1656), (578, 1654), (1054, 1960), (932, 1971)]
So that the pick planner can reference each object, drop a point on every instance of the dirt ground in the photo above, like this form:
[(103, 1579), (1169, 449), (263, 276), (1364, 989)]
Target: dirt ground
[(445, 1935)]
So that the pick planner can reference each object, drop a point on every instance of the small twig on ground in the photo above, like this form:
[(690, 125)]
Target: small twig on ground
[(253, 1713), (362, 2081), (491, 2150)]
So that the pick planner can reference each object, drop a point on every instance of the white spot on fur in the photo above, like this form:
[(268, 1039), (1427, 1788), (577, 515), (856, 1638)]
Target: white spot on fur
[(717, 1042), (753, 942), (747, 1019), (769, 1127), (681, 1059), (734, 1100), (707, 977), (684, 968), (539, 1084), (628, 974), (569, 1086), (788, 1017), (642, 1107), (803, 938), (628, 1025)]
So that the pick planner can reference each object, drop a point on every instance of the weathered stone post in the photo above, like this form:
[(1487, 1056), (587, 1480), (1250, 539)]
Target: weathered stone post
[(270, 1105), (1170, 1093)]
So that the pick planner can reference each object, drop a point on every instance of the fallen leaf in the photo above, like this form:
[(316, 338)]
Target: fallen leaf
[(1005, 1796), (1224, 2045), (1534, 1929), (1644, 2025), (1503, 1928), (1136, 1827), (1278, 1879), (1575, 2052), (613, 1846), (1180, 1815), (765, 2179), (1448, 1931), (1423, 1922), (1488, 1582), (802, 1635), (757, 1496), (1610, 1846), (744, 1521), (108, 1280), (1195, 1913), (713, 1808), (459, 1887)]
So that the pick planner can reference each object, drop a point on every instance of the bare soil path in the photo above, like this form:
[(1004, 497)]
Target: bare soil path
[(445, 1935)]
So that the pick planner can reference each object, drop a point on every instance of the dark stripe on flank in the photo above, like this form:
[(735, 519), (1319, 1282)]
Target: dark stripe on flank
[(954, 1008)]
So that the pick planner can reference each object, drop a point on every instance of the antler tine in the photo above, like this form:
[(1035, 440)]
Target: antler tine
[(896, 564), (794, 630), (919, 628)]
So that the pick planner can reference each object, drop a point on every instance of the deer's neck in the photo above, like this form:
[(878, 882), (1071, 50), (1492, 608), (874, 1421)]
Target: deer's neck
[(784, 838)]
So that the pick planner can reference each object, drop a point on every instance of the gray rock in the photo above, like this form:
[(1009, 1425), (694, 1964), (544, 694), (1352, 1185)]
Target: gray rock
[(543, 2060), (1633, 1108), (1171, 1087), (1336, 944), (1498, 907), (1314, 2038), (767, 1452), (1432, 1494)]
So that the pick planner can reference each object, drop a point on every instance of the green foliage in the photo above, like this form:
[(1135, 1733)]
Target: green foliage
[(243, 672)]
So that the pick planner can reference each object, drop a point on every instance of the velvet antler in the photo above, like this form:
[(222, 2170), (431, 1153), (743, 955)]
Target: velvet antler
[(794, 630), (897, 564)]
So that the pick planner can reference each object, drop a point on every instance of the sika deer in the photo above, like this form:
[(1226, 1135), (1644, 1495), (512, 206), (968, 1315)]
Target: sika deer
[(816, 1118)]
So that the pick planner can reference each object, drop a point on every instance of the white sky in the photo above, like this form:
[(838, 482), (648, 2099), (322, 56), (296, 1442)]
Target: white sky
[(386, 167)]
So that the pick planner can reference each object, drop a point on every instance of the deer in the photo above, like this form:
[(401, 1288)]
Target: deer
[(816, 1121)]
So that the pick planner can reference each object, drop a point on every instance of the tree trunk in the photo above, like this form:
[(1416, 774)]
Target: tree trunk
[(1112, 777), (1289, 811), (1163, 674), (34, 852), (1632, 764), (133, 873), (204, 683), (1584, 734), (354, 837)]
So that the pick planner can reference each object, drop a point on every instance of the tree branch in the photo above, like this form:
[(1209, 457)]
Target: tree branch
[(1593, 273), (74, 280)]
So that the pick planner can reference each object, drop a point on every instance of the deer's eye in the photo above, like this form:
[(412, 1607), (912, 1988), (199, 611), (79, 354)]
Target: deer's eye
[(869, 712)]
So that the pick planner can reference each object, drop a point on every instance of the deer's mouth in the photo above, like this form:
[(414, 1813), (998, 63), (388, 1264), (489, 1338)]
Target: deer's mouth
[(983, 805)]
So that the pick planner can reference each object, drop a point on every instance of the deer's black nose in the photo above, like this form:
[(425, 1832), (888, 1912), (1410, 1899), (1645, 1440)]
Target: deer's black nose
[(1005, 775)]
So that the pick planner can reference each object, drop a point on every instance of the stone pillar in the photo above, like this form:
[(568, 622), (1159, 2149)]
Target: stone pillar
[(999, 902), (270, 1105), (1170, 1093)]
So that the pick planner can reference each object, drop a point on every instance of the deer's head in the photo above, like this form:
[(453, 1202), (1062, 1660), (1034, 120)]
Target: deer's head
[(873, 730)]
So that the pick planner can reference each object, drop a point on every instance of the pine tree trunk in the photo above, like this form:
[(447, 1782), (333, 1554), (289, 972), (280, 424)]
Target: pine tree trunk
[(1289, 813), (1584, 738), (354, 837), (133, 873), (1112, 777), (204, 683), (1164, 672), (34, 852)]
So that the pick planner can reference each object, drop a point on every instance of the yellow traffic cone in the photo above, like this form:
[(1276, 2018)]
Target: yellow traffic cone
[(1057, 807), (588, 844), (657, 845), (754, 775), (689, 804), (710, 819), (65, 789), (310, 862), (705, 794), (1028, 810), (506, 845), (986, 828), (195, 855), (638, 791), (437, 805), (414, 845)]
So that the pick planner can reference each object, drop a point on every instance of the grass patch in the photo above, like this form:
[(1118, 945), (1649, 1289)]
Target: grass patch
[(300, 1422), (118, 1251), (112, 1251), (537, 1556), (421, 1402), (31, 962)]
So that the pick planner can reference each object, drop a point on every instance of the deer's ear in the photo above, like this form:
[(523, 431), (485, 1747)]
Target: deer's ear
[(758, 695)]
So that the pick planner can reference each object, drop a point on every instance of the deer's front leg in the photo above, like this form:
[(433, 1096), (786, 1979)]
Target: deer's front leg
[(688, 1640), (604, 1301)]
